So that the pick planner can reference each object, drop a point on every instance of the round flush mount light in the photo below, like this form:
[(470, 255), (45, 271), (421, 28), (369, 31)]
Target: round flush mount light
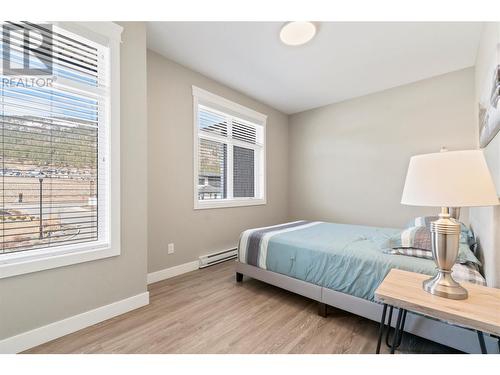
[(297, 33)]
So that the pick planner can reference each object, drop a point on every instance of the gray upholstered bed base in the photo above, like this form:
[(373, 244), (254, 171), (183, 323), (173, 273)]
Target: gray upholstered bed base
[(453, 336)]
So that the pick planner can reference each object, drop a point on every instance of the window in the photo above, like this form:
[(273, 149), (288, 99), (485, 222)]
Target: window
[(59, 196), (229, 160)]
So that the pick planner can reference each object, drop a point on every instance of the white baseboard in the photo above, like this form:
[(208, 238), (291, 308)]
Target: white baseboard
[(167, 273), (38, 336)]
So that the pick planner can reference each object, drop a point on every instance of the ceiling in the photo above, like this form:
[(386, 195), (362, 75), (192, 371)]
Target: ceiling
[(344, 60)]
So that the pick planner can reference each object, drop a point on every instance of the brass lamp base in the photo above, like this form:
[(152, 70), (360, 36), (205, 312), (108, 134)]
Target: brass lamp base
[(443, 285)]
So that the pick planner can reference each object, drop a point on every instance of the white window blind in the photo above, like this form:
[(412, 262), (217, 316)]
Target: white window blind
[(229, 154), (54, 144)]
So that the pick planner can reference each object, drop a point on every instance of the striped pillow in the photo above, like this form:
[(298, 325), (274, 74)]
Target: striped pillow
[(418, 237), (417, 241), (466, 234), (413, 242)]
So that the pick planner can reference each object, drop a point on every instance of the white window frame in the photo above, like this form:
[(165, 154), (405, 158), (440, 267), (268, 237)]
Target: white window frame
[(108, 245), (225, 106)]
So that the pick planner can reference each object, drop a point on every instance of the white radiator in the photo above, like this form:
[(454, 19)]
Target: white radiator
[(220, 256)]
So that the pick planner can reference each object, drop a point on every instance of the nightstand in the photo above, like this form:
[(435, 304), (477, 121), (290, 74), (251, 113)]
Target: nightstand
[(403, 290)]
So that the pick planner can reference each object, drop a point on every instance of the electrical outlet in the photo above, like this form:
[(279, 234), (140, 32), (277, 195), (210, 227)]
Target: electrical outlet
[(170, 248)]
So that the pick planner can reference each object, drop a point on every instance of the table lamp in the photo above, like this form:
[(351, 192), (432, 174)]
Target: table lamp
[(448, 179)]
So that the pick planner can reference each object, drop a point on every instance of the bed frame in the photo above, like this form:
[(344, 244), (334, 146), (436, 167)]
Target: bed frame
[(456, 337)]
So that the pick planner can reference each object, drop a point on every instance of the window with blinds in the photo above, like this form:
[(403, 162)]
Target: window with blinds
[(53, 139), (229, 153)]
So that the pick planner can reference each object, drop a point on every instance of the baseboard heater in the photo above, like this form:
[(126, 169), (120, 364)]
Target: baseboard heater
[(218, 257)]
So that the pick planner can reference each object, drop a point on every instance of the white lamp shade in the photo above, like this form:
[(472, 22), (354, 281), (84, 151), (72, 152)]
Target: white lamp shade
[(449, 179)]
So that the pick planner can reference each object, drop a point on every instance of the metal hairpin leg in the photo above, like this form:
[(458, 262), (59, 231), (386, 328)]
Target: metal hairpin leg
[(480, 336), (402, 328), (398, 331), (381, 328), (388, 335), (389, 321)]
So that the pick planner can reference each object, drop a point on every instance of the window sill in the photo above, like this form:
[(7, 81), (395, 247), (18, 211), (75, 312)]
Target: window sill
[(38, 260), (227, 203)]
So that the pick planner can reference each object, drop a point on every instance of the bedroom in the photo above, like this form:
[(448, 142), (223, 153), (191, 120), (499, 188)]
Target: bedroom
[(250, 187)]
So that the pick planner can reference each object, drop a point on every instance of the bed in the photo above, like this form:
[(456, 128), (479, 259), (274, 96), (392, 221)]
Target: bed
[(342, 265)]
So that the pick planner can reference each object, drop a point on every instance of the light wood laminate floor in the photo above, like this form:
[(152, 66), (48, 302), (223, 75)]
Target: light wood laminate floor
[(206, 311)]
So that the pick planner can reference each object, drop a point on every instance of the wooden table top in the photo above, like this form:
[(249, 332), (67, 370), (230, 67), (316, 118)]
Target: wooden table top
[(480, 311)]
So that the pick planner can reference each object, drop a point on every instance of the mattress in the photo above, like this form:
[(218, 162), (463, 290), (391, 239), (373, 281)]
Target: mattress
[(346, 258)]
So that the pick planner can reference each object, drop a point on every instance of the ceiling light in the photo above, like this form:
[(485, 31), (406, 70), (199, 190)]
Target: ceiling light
[(297, 33)]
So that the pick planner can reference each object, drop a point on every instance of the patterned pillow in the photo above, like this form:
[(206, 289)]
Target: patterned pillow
[(468, 272), (466, 234), (419, 238)]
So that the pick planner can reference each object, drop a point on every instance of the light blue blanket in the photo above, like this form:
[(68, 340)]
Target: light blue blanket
[(346, 258)]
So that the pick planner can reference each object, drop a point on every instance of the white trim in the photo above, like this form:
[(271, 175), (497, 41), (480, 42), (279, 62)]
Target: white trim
[(224, 203), (98, 32), (229, 105), (114, 144), (195, 151), (109, 171), (21, 264), (49, 332), (167, 273), (253, 118)]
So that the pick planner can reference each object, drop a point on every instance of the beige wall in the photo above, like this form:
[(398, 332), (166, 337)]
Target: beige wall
[(33, 300), (486, 220), (170, 181), (348, 161)]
